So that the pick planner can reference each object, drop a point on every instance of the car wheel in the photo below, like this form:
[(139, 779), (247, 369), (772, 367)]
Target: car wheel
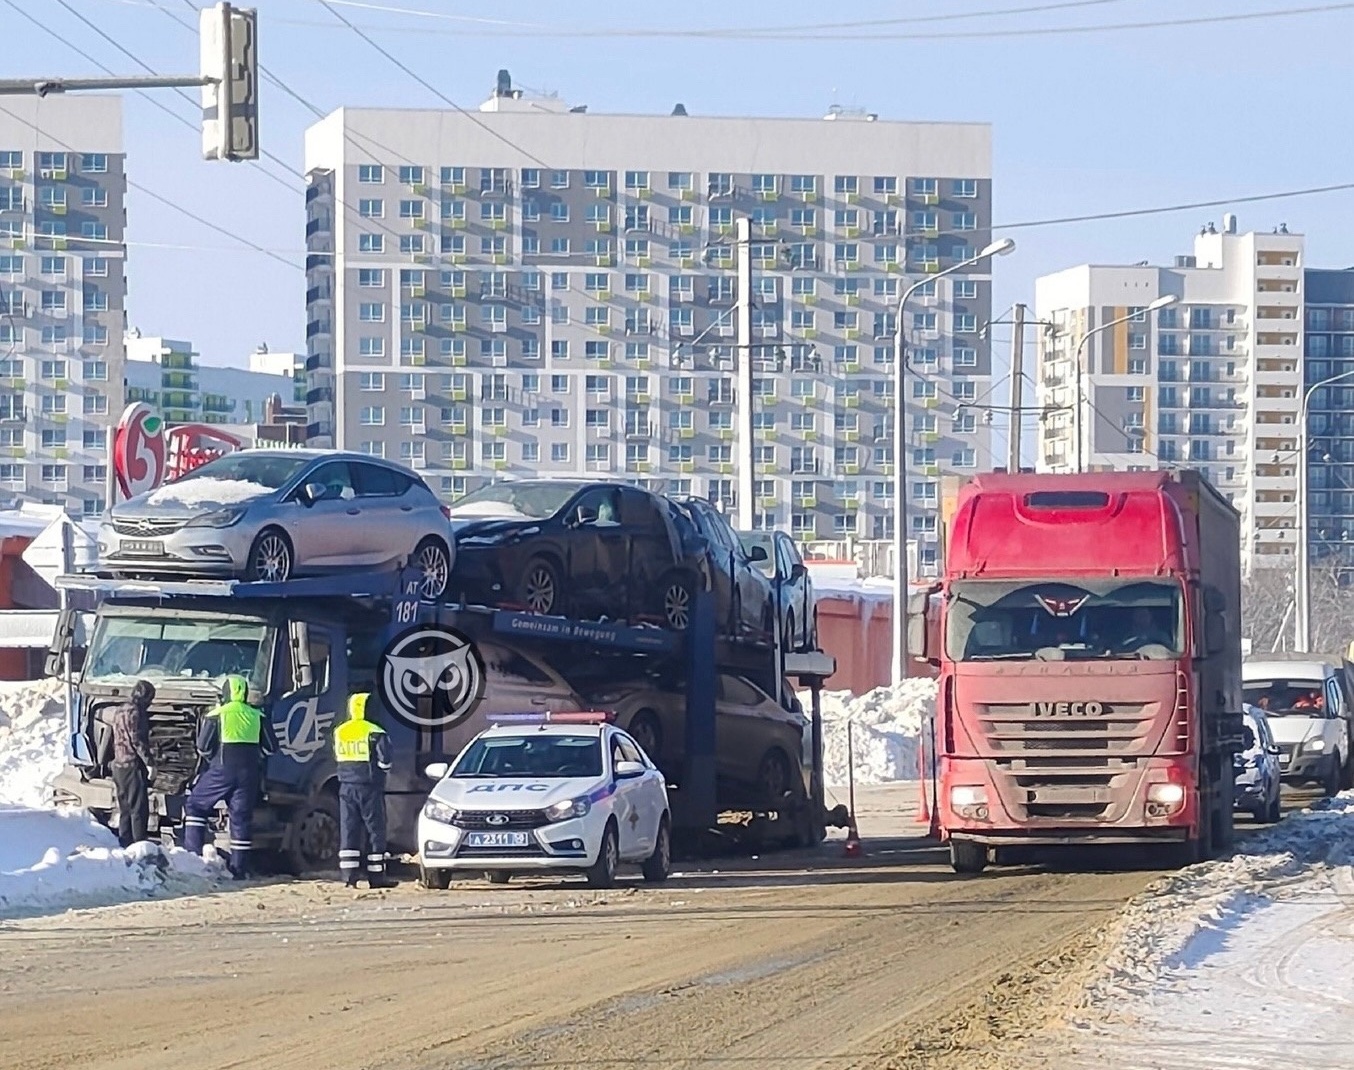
[(497, 876), (678, 593), (1274, 811), (602, 873), (1347, 774), (1330, 783), (312, 841), (433, 560), (540, 590), (774, 777), (647, 731), (967, 856), (270, 558), (658, 866), (437, 879)]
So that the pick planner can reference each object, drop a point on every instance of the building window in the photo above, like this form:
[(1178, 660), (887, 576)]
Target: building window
[(965, 187), (371, 208)]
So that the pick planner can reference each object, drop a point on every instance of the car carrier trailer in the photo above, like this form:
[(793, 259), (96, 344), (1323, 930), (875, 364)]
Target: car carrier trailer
[(306, 644)]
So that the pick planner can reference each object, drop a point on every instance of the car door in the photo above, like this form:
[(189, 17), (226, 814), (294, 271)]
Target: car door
[(738, 747), (626, 808), (1269, 759), (598, 553), (390, 525), (1335, 704), (651, 554), (648, 797), (328, 531)]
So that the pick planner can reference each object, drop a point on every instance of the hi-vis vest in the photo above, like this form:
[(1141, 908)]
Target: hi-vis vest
[(353, 738), (239, 721)]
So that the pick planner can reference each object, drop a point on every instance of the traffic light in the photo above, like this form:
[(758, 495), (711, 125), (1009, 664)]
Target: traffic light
[(230, 100)]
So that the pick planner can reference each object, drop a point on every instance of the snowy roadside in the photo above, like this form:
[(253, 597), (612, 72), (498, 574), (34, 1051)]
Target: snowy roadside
[(885, 729), (53, 859), (1242, 963)]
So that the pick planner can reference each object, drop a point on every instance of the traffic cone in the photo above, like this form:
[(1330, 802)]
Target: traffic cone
[(853, 848)]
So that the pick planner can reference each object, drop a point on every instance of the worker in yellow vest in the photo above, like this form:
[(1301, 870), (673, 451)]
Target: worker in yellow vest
[(362, 750)]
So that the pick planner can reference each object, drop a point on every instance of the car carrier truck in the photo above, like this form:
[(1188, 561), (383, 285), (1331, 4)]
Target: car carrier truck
[(1087, 631), (306, 644)]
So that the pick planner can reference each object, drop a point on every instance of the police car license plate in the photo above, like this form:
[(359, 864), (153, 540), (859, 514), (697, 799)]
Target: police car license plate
[(496, 839), (143, 547)]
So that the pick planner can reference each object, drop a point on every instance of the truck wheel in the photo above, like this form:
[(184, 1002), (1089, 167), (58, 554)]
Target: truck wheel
[(313, 836), (602, 873), (967, 856), (774, 778), (658, 866), (437, 879)]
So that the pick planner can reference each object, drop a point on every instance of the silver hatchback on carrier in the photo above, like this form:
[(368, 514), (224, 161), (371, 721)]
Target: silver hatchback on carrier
[(269, 515)]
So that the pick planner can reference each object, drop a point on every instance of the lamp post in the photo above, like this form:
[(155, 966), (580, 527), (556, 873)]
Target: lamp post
[(1302, 588), (1159, 303), (900, 572)]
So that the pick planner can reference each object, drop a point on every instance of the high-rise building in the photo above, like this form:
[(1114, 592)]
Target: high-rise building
[(63, 289), (535, 289), (167, 375), (1329, 328), (1212, 382)]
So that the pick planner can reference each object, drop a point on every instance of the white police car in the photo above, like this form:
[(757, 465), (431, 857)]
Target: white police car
[(541, 792)]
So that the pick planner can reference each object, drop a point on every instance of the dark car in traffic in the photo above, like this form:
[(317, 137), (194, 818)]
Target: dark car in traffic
[(744, 601), (588, 550), (783, 564)]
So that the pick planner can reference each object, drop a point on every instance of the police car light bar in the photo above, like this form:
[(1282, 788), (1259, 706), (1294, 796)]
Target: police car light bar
[(554, 717)]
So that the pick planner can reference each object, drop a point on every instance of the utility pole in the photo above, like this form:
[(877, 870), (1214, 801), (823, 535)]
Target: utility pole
[(1013, 443), (745, 464)]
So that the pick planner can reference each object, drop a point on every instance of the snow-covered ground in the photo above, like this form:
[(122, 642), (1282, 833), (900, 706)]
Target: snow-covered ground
[(52, 859), (885, 728), (1244, 963)]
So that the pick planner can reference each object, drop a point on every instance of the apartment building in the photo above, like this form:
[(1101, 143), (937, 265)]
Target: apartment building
[(1212, 382), (1328, 297), (534, 289), (63, 289), (166, 374)]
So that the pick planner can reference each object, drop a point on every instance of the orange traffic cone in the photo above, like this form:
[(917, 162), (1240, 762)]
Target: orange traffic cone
[(853, 848)]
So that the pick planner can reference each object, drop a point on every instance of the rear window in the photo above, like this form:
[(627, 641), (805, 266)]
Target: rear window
[(1067, 499)]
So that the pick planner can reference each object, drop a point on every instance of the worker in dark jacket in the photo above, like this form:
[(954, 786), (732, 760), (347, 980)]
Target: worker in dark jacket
[(133, 764), (362, 750), (233, 738)]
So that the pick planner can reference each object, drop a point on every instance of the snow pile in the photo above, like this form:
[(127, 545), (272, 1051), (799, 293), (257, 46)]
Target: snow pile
[(208, 490), (32, 740), (885, 731), (1161, 937), (63, 858)]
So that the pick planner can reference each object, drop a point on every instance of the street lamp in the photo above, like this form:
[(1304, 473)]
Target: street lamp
[(900, 577), (1159, 303), (1302, 593)]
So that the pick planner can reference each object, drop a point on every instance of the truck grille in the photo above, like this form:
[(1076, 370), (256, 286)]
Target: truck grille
[(517, 819), (173, 742), (147, 527), (1067, 767)]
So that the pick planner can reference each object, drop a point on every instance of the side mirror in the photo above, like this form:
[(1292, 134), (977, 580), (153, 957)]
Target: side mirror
[(798, 572), (312, 493), (1248, 737), (1215, 633), (436, 771), (629, 770), (758, 553), (1274, 749)]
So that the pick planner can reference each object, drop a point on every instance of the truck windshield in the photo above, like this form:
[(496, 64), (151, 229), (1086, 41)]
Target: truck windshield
[(542, 757), (164, 648), (1055, 621)]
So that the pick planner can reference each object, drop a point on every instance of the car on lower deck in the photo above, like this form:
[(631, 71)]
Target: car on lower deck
[(270, 515), (566, 792), (588, 550)]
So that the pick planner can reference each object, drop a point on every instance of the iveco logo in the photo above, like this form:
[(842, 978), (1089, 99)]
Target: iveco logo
[(496, 819), (1067, 709)]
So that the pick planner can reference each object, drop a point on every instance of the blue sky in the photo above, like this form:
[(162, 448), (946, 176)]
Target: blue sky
[(1082, 122)]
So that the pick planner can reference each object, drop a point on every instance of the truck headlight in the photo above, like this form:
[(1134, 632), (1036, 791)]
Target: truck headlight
[(1163, 799), (1314, 745), (968, 796), (439, 812), (562, 811)]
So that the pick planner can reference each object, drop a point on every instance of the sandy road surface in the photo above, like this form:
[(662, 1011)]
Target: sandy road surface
[(791, 960)]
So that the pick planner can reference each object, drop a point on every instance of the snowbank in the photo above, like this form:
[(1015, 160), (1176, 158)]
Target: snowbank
[(886, 726), (208, 490), (55, 859), (62, 858), (32, 741), (1168, 931)]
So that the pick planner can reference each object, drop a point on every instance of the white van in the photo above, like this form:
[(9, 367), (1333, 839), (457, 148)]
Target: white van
[(1309, 716)]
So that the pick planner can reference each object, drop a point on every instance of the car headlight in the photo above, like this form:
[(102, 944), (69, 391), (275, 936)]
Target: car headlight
[(439, 812), (1314, 745), (220, 518), (562, 811)]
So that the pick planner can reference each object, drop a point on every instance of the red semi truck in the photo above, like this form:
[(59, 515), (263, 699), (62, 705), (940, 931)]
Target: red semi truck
[(1087, 630)]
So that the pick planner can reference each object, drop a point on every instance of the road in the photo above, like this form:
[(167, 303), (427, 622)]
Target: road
[(804, 959)]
